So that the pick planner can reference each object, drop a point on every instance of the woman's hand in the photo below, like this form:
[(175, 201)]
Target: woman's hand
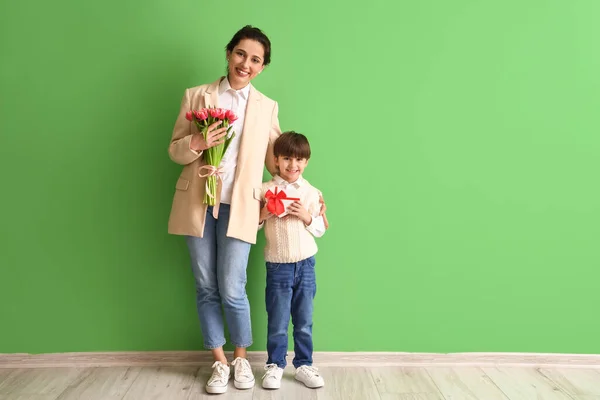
[(264, 214), (214, 137), (322, 212), (298, 210)]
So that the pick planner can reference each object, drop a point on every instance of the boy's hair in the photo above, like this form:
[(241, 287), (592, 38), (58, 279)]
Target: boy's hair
[(292, 144)]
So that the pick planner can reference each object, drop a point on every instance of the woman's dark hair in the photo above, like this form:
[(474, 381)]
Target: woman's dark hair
[(250, 32)]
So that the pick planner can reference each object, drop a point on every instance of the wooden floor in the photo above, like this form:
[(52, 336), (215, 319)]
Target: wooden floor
[(426, 383)]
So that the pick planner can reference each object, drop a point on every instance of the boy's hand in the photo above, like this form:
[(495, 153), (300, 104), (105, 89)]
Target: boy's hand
[(264, 214), (298, 210)]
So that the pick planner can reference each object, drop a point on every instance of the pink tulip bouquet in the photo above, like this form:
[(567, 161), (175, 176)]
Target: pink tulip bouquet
[(203, 119)]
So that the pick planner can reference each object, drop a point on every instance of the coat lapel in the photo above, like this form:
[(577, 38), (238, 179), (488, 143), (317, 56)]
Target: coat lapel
[(211, 96)]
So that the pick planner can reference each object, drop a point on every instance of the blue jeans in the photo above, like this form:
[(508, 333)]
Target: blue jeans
[(291, 289), (219, 265)]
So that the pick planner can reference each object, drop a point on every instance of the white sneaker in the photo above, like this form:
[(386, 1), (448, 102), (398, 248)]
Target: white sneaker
[(272, 378), (219, 379), (242, 374), (309, 375)]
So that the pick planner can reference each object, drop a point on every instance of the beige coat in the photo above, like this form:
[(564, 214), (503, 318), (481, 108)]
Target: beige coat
[(261, 128)]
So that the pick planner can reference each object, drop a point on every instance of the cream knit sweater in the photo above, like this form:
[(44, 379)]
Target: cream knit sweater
[(288, 239)]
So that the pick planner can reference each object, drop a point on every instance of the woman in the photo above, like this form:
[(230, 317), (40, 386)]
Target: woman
[(219, 247)]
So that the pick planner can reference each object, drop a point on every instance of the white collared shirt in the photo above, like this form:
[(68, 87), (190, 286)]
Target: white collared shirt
[(236, 101)]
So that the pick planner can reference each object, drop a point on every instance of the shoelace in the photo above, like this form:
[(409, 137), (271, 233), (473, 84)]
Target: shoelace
[(270, 368), (242, 367), (219, 373), (310, 370)]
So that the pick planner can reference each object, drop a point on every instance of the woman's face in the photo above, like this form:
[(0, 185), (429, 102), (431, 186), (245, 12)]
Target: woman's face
[(245, 62)]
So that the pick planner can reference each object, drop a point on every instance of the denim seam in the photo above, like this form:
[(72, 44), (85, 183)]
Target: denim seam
[(243, 345), (210, 347), (301, 365)]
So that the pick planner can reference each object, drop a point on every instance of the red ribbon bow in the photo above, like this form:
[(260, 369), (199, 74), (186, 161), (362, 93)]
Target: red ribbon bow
[(274, 201)]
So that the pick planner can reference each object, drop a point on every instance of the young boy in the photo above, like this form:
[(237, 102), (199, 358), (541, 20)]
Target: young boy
[(289, 255)]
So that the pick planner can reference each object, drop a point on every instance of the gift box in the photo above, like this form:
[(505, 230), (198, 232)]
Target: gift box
[(279, 199)]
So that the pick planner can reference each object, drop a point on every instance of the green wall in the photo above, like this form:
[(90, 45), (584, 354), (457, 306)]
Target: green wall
[(456, 143)]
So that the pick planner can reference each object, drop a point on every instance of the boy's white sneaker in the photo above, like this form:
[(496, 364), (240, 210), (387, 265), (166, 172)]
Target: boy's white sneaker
[(243, 378), (219, 379), (310, 376), (272, 378)]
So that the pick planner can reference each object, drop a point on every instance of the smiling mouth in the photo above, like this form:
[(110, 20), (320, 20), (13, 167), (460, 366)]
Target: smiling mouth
[(242, 73)]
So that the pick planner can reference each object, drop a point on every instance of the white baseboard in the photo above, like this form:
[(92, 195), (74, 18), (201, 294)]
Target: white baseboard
[(322, 359)]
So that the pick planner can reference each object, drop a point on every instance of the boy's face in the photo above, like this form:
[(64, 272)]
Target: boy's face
[(290, 168)]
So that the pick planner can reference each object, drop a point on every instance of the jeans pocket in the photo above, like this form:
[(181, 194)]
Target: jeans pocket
[(272, 267)]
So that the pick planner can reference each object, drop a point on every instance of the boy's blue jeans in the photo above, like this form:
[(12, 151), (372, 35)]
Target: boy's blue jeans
[(291, 288)]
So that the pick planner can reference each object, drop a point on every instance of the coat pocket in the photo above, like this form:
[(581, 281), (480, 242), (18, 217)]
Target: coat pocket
[(182, 184)]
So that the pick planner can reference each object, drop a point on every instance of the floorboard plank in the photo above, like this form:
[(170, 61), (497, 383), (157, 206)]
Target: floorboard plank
[(162, 383), (576, 382), (405, 383), (38, 383), (465, 383), (102, 384), (525, 383)]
